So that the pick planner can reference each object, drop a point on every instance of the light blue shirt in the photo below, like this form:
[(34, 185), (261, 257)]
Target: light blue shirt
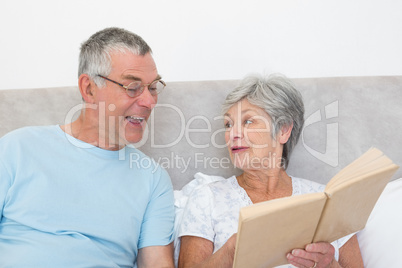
[(65, 203)]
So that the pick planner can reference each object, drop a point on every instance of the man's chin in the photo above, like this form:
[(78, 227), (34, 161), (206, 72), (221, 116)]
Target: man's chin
[(131, 140)]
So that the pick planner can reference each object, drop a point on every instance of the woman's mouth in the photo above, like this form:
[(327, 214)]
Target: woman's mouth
[(238, 149)]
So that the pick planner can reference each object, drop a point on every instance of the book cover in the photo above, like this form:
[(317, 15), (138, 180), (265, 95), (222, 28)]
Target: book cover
[(269, 230)]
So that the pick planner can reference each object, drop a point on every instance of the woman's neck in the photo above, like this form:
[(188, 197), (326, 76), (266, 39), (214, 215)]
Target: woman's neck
[(266, 185)]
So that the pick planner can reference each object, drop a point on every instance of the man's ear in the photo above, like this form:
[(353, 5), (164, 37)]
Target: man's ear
[(87, 88), (285, 132)]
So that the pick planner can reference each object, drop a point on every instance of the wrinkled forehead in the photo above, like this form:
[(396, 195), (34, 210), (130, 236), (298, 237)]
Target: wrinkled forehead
[(245, 107), (134, 67)]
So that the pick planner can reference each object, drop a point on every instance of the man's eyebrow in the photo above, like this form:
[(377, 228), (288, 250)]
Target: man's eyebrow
[(135, 78), (131, 77)]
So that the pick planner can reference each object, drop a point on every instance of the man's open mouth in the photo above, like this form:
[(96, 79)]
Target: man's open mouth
[(135, 119)]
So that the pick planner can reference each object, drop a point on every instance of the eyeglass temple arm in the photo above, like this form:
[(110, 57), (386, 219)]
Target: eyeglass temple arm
[(117, 83)]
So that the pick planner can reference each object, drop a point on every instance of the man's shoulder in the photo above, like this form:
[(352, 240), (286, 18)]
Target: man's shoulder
[(28, 133), (140, 161), (25, 142), (136, 155)]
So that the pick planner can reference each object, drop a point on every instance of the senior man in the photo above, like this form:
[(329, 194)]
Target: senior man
[(68, 194)]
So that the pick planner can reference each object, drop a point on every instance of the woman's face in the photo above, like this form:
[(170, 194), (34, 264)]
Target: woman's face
[(249, 138)]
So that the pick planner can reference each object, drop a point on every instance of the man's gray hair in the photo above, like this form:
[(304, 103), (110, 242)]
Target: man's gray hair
[(277, 95), (95, 53)]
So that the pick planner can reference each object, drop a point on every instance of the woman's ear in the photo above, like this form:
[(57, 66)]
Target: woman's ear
[(285, 132), (87, 88)]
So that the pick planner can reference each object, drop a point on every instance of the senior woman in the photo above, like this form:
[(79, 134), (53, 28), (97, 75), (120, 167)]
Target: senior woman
[(263, 121)]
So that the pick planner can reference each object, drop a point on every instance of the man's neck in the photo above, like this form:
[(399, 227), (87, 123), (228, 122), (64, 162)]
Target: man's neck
[(89, 133)]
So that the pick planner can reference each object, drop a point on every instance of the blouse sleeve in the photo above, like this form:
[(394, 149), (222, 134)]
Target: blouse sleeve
[(197, 220)]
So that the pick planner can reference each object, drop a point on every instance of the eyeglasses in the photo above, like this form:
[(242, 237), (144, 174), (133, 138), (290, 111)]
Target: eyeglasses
[(136, 88)]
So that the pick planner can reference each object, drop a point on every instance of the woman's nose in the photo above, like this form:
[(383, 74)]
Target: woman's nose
[(236, 132)]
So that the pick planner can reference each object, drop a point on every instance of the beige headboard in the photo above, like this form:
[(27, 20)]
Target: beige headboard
[(345, 116)]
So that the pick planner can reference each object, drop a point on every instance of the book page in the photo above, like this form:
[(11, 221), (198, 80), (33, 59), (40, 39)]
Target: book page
[(371, 155), (269, 230), (349, 204), (361, 170)]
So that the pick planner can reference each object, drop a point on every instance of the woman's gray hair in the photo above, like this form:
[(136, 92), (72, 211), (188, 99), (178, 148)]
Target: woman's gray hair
[(277, 95), (95, 53)]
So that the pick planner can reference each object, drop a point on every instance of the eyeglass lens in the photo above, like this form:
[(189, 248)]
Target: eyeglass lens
[(136, 88)]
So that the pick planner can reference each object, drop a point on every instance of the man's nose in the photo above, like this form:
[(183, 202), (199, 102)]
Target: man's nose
[(146, 99)]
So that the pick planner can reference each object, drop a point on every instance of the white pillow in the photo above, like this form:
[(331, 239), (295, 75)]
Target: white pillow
[(381, 240)]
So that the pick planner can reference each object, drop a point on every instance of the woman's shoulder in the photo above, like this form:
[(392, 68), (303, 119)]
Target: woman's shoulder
[(304, 186), (202, 180), (199, 184)]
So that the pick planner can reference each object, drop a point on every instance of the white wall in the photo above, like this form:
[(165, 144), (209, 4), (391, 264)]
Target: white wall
[(205, 40)]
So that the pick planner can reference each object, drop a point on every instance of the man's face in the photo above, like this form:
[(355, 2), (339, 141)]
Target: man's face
[(125, 117)]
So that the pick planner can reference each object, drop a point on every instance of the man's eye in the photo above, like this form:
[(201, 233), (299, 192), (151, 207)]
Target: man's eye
[(154, 86), (134, 88), (246, 122)]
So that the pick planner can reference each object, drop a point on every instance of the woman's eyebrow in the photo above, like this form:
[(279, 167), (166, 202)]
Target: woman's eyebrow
[(227, 115), (242, 113)]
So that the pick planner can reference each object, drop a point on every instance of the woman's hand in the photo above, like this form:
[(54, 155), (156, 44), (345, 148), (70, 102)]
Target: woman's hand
[(317, 255)]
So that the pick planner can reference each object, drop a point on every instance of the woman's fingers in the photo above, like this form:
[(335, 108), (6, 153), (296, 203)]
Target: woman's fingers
[(303, 259), (316, 255)]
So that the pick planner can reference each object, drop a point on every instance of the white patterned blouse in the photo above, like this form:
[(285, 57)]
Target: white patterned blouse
[(209, 206)]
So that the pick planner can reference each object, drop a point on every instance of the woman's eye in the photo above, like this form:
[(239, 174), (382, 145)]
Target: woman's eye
[(246, 122), (228, 125)]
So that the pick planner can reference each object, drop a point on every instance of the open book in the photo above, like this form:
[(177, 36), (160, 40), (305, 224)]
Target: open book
[(269, 230)]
